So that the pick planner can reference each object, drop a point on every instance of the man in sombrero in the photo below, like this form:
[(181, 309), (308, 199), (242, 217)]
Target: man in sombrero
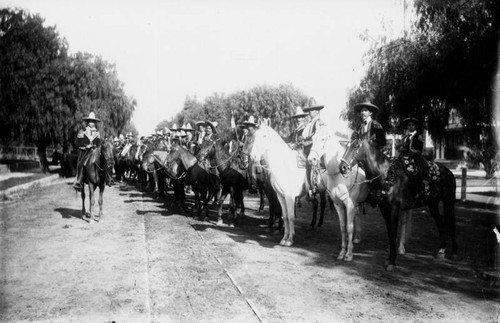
[(210, 131), (85, 141), (412, 142), (370, 128), (295, 140), (314, 126)]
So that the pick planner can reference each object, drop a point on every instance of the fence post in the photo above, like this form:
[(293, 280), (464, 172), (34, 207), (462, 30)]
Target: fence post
[(464, 184)]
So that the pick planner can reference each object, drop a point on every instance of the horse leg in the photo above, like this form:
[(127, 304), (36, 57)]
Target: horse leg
[(357, 224), (449, 224), (83, 202), (197, 203), (342, 223), (315, 211), (220, 202), (349, 213), (101, 193), (404, 219), (204, 198), (261, 195), (92, 202), (434, 210), (284, 215), (322, 207), (391, 217), (290, 205)]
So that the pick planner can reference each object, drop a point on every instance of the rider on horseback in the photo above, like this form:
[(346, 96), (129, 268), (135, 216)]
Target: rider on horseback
[(370, 128), (296, 140), (410, 154), (314, 125), (86, 141)]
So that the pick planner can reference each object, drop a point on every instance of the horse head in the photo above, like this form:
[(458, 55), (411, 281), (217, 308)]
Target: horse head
[(207, 150), (351, 156), (107, 153)]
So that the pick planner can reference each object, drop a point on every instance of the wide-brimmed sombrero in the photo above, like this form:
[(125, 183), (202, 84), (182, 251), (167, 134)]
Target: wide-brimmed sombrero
[(370, 106), (212, 125), (313, 108), (187, 127), (91, 117), (250, 122), (199, 123), (410, 119), (299, 113)]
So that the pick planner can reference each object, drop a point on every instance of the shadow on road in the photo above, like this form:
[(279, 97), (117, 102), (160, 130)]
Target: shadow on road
[(70, 213)]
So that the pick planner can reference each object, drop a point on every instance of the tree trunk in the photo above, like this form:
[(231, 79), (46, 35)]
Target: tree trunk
[(42, 154)]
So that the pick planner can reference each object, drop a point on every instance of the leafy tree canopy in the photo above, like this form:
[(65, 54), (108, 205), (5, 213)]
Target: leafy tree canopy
[(263, 102)]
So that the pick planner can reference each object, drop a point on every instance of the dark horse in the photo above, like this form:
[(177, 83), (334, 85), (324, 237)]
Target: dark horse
[(196, 176), (98, 165), (232, 177), (404, 193)]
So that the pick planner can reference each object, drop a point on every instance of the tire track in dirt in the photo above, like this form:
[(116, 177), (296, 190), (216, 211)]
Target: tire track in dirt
[(186, 281)]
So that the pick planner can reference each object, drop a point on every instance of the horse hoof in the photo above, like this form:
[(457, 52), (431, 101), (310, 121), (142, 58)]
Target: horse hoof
[(288, 243), (390, 267), (401, 251), (340, 257), (440, 256), (282, 242), (220, 223), (348, 257)]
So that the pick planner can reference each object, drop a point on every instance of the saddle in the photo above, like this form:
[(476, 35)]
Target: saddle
[(421, 174)]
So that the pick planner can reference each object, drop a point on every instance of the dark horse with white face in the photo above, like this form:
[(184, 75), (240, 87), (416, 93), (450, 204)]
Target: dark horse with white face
[(403, 194), (97, 166)]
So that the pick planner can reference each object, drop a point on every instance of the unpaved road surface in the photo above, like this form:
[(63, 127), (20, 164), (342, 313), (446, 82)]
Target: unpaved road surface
[(149, 262)]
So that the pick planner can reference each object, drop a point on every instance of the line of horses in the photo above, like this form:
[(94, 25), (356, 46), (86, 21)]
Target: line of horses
[(265, 162)]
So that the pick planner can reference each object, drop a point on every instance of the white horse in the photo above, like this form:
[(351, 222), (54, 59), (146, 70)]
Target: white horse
[(286, 177), (345, 191)]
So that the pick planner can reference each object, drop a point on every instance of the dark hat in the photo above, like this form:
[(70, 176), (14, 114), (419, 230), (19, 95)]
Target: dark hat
[(250, 122), (315, 107), (410, 119), (187, 127), (91, 117), (212, 125), (372, 107), (299, 112)]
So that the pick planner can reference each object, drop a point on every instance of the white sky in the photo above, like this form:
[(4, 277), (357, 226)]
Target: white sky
[(165, 50)]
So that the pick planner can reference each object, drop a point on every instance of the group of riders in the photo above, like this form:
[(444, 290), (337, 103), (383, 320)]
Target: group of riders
[(307, 122)]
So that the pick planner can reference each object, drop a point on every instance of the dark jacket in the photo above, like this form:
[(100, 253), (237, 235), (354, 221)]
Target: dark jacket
[(412, 143), (375, 134)]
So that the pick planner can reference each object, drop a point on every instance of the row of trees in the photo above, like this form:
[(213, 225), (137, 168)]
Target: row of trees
[(447, 60), (276, 103), (45, 92)]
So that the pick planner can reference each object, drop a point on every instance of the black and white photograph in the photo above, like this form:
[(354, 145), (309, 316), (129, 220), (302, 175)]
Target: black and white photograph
[(249, 161)]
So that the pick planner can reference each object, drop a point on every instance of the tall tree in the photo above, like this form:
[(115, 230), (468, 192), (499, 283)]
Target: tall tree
[(276, 103), (446, 62), (44, 93)]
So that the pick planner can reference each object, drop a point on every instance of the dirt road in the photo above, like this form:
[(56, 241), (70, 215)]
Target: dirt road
[(148, 262)]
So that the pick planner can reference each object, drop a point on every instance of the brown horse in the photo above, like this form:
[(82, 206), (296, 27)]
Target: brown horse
[(404, 192), (98, 166), (232, 178), (196, 176)]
